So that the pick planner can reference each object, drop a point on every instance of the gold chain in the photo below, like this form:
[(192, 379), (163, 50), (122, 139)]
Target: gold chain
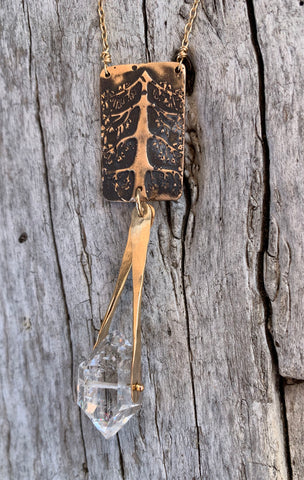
[(105, 54), (182, 53)]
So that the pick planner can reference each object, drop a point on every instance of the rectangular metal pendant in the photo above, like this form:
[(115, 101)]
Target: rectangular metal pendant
[(142, 130)]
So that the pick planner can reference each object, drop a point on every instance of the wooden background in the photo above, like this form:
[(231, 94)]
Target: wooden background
[(223, 304)]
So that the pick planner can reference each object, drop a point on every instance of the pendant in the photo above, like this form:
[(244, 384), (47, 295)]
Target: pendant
[(142, 131)]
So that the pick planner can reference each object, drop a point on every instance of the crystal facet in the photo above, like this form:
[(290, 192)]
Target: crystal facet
[(103, 390)]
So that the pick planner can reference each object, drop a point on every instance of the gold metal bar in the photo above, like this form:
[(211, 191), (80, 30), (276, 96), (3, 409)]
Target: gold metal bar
[(134, 256), (120, 283), (140, 234)]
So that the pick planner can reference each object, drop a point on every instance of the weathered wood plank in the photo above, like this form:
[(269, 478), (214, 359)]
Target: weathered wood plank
[(281, 36), (213, 407), (294, 395), (37, 421), (236, 392)]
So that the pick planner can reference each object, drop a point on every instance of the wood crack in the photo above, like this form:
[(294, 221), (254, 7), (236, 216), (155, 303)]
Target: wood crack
[(187, 194), (152, 380), (85, 463), (265, 227), (157, 428), (6, 432), (47, 183), (121, 461), (145, 17), (58, 17), (30, 40), (85, 257), (292, 381), (185, 236)]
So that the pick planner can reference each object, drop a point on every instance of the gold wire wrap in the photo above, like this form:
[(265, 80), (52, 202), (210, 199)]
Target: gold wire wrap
[(182, 53), (105, 54)]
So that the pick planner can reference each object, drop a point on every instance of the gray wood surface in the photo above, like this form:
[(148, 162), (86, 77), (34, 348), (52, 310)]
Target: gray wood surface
[(281, 29), (222, 320), (295, 415)]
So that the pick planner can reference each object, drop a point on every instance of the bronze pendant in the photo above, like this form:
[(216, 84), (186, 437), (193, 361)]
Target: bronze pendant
[(142, 131)]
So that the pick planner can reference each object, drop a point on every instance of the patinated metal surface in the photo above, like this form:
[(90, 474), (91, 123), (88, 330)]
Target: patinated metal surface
[(142, 130)]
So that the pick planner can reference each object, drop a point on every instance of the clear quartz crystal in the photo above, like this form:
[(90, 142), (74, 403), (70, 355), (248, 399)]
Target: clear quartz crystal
[(103, 390)]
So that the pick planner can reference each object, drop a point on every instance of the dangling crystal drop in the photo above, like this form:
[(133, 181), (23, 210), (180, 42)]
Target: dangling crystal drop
[(104, 390)]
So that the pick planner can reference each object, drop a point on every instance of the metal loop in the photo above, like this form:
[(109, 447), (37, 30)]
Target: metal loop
[(105, 54), (139, 203), (183, 51)]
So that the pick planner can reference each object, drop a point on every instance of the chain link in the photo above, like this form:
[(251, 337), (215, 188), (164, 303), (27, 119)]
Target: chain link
[(182, 53), (105, 54)]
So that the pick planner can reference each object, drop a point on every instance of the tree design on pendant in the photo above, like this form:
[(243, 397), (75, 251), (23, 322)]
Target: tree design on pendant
[(142, 130)]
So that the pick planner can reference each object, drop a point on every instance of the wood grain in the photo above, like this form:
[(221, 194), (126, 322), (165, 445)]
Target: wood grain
[(294, 404), (216, 405), (281, 28)]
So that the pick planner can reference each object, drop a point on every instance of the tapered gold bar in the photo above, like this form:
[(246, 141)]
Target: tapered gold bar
[(140, 234), (134, 256), (120, 283)]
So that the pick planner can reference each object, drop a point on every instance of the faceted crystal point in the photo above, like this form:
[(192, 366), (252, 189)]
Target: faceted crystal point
[(104, 390)]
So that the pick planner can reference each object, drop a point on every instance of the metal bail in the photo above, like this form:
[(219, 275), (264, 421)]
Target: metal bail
[(139, 205)]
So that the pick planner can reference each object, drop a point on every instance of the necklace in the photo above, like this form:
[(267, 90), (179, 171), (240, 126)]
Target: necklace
[(142, 132)]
